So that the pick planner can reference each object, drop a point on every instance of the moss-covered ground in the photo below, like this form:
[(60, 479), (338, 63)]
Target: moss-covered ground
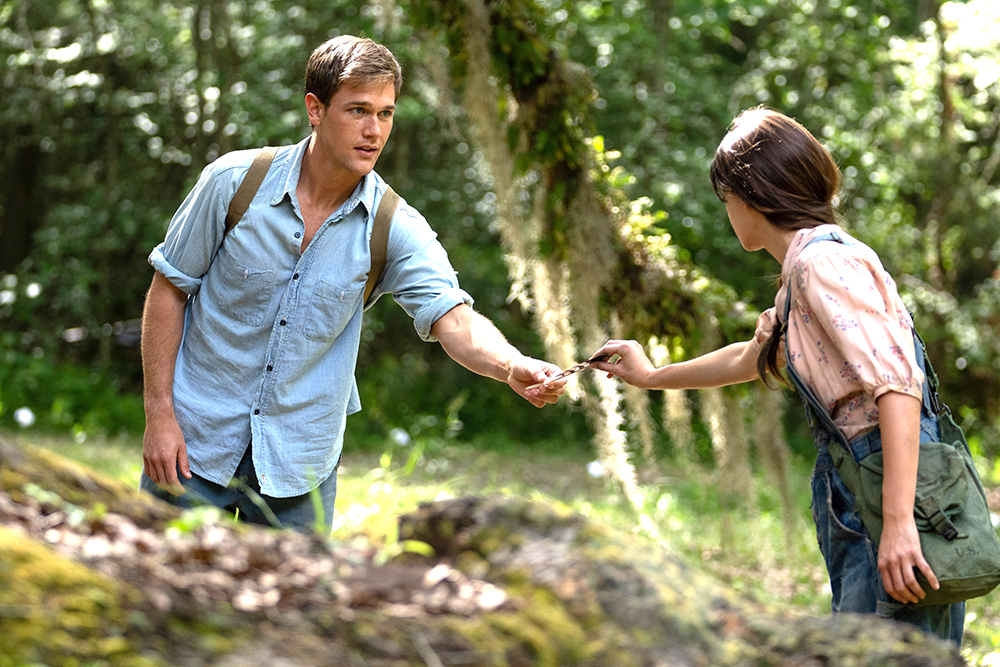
[(749, 551), (58, 613)]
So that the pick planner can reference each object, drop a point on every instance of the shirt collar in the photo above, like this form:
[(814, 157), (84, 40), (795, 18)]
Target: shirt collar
[(288, 181), (799, 241)]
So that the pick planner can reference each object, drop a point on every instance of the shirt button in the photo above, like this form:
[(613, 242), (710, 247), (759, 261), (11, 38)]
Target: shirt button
[(282, 323), (256, 412), (270, 368), (298, 235), (295, 277)]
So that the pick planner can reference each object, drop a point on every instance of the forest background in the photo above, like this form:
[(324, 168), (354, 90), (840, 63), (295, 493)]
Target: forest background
[(560, 149)]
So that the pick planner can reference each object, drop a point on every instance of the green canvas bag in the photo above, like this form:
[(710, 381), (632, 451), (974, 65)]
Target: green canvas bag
[(952, 516)]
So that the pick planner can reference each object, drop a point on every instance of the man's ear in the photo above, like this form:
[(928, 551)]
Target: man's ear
[(314, 108)]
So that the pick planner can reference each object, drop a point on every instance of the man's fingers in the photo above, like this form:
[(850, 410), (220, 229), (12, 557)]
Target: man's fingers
[(543, 396), (911, 583), (171, 483), (156, 472), (182, 459), (160, 474)]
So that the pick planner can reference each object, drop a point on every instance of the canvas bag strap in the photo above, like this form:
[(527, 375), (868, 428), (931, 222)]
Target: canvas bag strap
[(380, 239), (240, 202), (819, 412)]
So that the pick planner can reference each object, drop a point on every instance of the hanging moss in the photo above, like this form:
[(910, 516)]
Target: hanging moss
[(589, 262)]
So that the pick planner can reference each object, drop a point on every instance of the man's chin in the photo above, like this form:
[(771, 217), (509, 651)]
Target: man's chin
[(364, 166)]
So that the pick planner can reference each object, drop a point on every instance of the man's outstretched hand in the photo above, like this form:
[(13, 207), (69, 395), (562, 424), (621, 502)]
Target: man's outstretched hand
[(526, 371)]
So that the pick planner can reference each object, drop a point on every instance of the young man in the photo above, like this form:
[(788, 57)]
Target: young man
[(250, 339)]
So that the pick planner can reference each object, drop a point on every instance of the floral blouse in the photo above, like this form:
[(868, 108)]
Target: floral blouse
[(849, 334)]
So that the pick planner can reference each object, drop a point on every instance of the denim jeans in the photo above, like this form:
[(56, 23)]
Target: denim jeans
[(850, 554), (243, 494)]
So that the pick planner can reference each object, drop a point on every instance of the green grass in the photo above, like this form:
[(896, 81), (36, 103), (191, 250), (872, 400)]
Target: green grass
[(745, 547)]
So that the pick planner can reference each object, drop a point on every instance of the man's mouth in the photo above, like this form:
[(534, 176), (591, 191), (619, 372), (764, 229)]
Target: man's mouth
[(368, 150)]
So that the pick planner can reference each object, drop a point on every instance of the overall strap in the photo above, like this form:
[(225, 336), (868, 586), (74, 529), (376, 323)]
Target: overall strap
[(380, 239), (934, 402), (240, 202), (832, 236)]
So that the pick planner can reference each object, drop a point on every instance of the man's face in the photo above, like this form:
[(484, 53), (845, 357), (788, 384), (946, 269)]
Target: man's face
[(350, 132)]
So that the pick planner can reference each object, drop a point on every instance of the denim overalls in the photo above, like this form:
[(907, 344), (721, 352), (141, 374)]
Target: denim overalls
[(849, 552)]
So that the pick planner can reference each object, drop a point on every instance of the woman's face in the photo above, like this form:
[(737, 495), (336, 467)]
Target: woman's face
[(748, 223)]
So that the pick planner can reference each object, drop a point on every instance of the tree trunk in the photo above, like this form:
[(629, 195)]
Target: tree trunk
[(23, 206)]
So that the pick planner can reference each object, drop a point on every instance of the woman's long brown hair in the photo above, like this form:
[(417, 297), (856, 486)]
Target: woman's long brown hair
[(774, 165)]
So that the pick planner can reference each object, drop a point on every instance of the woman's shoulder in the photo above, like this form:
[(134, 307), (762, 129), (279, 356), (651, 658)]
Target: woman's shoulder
[(829, 266), (830, 248)]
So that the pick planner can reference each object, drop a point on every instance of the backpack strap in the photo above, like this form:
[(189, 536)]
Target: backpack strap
[(380, 239), (379, 243), (240, 202)]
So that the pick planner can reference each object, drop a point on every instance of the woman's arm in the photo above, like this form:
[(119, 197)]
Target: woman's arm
[(728, 365), (899, 549)]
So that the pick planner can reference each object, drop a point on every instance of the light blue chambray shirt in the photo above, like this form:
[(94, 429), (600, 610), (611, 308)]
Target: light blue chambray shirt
[(271, 334)]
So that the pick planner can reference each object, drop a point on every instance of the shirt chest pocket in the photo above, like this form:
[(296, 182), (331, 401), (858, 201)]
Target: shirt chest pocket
[(247, 293), (330, 309)]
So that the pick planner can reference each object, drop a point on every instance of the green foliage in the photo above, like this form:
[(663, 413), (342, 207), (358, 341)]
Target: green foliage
[(113, 106), (195, 518), (65, 396)]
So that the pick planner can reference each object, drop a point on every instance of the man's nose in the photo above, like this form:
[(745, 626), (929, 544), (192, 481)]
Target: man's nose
[(372, 127)]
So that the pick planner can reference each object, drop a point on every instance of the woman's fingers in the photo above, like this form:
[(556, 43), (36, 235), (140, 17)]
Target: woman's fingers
[(900, 580), (926, 570), (765, 325), (896, 586), (632, 365)]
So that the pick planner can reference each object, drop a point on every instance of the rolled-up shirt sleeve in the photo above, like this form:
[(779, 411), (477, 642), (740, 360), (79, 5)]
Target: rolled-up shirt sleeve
[(195, 232), (861, 314), (419, 275)]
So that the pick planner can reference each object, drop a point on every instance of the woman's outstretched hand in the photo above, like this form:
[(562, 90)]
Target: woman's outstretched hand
[(632, 366)]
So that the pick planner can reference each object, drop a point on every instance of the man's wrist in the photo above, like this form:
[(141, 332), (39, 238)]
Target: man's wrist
[(508, 365), (158, 407)]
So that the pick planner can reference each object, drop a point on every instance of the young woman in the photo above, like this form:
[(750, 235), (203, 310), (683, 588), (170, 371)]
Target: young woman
[(850, 341)]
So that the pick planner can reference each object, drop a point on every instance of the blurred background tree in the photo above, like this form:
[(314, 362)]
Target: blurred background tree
[(113, 107)]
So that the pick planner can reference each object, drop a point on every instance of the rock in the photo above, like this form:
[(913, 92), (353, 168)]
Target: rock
[(94, 572)]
